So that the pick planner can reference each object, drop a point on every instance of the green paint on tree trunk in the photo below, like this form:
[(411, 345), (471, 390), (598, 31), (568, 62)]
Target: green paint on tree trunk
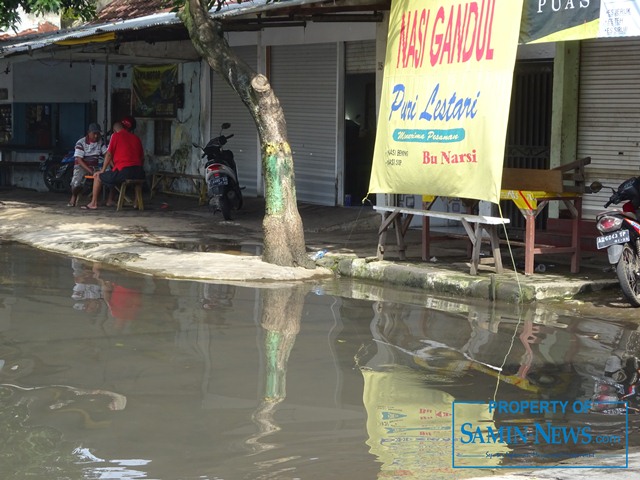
[(275, 384)]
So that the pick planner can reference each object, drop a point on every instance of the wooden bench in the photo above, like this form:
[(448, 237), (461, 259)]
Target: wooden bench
[(474, 226), (164, 181)]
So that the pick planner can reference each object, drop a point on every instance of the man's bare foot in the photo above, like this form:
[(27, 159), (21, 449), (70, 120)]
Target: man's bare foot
[(89, 207)]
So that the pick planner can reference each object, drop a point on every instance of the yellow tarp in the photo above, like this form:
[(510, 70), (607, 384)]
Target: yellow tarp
[(98, 37)]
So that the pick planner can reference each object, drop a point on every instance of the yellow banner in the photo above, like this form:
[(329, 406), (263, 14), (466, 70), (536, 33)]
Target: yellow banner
[(445, 98)]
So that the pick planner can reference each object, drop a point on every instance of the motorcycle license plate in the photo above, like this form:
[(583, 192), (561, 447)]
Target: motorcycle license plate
[(604, 241), (217, 181)]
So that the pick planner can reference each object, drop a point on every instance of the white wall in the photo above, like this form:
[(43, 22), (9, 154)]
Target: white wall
[(6, 81), (54, 81)]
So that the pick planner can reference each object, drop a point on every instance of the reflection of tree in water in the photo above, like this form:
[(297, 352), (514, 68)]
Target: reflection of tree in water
[(281, 314), (32, 451), (29, 448)]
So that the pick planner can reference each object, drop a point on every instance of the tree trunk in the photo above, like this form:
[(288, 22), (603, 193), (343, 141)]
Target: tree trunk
[(284, 242)]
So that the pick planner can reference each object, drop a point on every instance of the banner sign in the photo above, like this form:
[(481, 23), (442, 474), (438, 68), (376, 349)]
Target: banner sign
[(154, 91), (445, 98), (562, 20)]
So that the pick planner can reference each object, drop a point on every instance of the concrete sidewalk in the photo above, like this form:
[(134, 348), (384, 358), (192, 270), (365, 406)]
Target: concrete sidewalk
[(175, 238)]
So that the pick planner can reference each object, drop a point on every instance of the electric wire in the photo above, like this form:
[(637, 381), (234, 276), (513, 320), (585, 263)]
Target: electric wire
[(519, 304)]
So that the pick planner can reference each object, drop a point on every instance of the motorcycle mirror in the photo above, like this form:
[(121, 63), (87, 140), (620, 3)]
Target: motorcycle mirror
[(225, 126), (595, 187)]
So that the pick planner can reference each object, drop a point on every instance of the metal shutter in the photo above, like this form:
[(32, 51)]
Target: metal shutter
[(360, 57), (307, 90), (226, 106), (609, 115)]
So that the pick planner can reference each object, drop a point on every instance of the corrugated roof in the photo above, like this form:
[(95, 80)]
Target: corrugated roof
[(248, 8)]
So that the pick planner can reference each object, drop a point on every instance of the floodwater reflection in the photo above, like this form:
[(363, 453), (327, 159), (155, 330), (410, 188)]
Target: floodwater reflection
[(104, 374)]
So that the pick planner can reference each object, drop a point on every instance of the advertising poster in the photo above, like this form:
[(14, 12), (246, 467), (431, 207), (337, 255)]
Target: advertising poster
[(553, 21), (445, 98), (409, 427), (154, 91)]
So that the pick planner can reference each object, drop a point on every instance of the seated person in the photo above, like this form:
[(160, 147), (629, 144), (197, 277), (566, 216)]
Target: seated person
[(126, 154), (89, 150)]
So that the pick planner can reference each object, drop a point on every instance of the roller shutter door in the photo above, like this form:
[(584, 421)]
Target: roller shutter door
[(609, 115), (227, 107), (304, 77)]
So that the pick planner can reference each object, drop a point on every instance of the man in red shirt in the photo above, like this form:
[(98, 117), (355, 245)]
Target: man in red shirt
[(126, 154)]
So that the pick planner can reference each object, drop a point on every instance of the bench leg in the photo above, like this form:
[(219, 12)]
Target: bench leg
[(387, 219), (476, 241), (138, 201), (495, 247), (382, 240), (154, 184), (122, 194)]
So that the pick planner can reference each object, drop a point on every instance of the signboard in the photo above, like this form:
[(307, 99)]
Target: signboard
[(154, 91), (553, 21), (445, 99)]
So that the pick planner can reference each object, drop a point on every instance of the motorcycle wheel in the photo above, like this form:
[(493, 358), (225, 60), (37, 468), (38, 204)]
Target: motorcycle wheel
[(225, 207), (49, 177), (626, 270), (65, 181)]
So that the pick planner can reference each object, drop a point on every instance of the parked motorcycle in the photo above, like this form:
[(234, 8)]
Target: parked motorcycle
[(223, 191), (57, 171), (621, 237)]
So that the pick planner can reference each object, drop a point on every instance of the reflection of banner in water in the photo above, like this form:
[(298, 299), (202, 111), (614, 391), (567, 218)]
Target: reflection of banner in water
[(409, 427), (445, 98), (554, 21), (154, 93)]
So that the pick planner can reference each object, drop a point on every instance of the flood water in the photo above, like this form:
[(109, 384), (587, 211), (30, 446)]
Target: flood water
[(109, 375)]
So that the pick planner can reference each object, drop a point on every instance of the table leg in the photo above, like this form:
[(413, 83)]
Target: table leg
[(575, 236), (426, 244), (529, 241)]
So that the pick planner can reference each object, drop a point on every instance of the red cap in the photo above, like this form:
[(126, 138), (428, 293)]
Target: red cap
[(128, 122)]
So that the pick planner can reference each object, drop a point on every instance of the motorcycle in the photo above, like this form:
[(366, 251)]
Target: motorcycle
[(221, 175), (57, 171), (620, 235), (617, 392)]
